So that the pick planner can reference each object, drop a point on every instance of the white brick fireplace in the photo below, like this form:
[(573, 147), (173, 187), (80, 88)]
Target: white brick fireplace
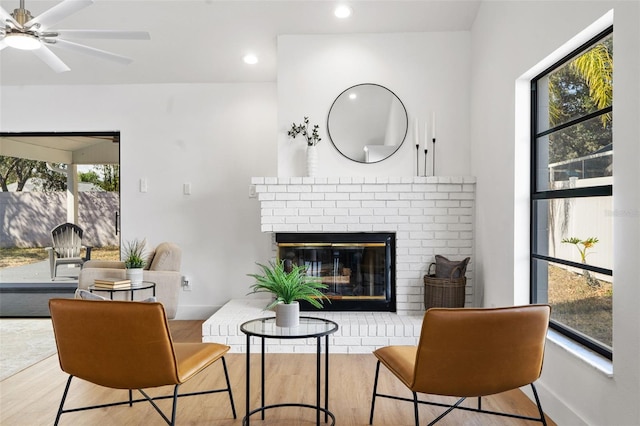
[(429, 215)]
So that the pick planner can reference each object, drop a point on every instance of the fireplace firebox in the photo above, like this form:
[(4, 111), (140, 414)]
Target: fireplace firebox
[(358, 268)]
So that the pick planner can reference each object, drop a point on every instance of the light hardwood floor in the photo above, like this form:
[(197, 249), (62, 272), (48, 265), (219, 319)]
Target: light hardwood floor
[(31, 397)]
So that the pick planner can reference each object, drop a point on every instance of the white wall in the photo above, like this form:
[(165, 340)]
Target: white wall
[(214, 136), (427, 71), (218, 136), (508, 39)]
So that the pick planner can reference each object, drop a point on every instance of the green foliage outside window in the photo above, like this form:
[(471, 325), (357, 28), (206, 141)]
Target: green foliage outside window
[(583, 86)]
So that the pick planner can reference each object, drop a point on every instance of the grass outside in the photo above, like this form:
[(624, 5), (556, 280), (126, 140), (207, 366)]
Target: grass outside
[(587, 309), (18, 256)]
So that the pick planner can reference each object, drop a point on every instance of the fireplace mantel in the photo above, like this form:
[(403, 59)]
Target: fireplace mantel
[(429, 215)]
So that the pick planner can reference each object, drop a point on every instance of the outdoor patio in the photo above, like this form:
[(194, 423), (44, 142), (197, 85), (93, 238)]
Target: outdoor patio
[(25, 290)]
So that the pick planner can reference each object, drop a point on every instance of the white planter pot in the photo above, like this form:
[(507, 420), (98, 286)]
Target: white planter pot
[(288, 314), (312, 161), (135, 275)]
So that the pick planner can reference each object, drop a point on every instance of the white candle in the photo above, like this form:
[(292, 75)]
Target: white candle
[(433, 125), (426, 136), (416, 132)]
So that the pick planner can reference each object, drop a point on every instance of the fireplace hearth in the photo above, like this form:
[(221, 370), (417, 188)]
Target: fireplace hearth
[(358, 268)]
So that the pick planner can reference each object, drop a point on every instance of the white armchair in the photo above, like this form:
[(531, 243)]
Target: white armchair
[(163, 268)]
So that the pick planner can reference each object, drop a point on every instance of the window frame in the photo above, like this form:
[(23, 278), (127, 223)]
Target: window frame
[(541, 195)]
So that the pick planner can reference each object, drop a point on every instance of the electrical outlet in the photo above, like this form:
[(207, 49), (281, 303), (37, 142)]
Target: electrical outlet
[(186, 284)]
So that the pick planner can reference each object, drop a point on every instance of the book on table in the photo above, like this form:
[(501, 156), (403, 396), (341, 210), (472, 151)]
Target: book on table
[(111, 283), (111, 287)]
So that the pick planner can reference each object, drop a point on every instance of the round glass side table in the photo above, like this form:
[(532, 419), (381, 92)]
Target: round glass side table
[(132, 289), (310, 327)]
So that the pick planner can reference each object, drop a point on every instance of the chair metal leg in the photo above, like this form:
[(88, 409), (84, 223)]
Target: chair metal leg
[(450, 409), (226, 376), (535, 395), (64, 397), (375, 390), (175, 405), (151, 400), (415, 408)]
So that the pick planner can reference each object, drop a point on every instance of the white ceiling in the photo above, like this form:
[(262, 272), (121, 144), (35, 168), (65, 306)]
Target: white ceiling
[(204, 41)]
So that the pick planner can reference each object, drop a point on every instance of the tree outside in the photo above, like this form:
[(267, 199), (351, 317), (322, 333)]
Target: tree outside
[(20, 170), (581, 87)]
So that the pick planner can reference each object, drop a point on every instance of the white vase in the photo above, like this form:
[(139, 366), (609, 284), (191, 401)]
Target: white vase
[(135, 275), (288, 314), (312, 160)]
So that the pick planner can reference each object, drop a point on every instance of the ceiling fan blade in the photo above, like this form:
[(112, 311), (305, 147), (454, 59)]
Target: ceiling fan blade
[(58, 12), (104, 34), (6, 16), (86, 50), (50, 58)]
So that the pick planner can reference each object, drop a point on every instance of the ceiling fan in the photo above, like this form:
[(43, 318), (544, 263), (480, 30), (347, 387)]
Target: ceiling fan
[(20, 30)]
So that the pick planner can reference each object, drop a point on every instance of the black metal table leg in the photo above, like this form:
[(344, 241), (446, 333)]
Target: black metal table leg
[(262, 377), (326, 379), (247, 417), (318, 364)]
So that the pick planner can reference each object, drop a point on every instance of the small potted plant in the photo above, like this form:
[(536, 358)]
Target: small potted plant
[(134, 260), (288, 288), (311, 137)]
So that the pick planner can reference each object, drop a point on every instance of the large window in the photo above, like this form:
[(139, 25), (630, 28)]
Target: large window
[(571, 193)]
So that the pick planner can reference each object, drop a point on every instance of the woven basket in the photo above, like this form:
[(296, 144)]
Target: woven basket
[(443, 292)]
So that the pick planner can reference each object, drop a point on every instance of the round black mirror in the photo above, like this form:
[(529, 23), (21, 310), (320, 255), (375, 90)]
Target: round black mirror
[(367, 123)]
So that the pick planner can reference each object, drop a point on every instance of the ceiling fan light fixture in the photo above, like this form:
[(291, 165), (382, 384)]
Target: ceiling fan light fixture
[(22, 41)]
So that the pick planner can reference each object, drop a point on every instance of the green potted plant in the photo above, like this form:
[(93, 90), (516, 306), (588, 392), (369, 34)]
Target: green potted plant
[(288, 288), (134, 258)]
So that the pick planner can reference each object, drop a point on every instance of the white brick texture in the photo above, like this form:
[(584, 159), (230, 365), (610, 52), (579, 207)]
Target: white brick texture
[(430, 215)]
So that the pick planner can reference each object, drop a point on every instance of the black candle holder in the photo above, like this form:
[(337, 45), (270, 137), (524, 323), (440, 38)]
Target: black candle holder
[(425, 162), (433, 157), (417, 159)]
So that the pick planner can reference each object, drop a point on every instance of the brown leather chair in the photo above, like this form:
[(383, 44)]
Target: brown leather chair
[(127, 345), (470, 353)]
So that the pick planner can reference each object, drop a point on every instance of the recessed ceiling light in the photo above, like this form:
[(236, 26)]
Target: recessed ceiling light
[(250, 59), (342, 11), (352, 96)]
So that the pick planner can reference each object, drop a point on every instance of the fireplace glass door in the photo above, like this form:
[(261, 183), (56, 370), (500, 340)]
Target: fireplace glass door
[(357, 268)]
